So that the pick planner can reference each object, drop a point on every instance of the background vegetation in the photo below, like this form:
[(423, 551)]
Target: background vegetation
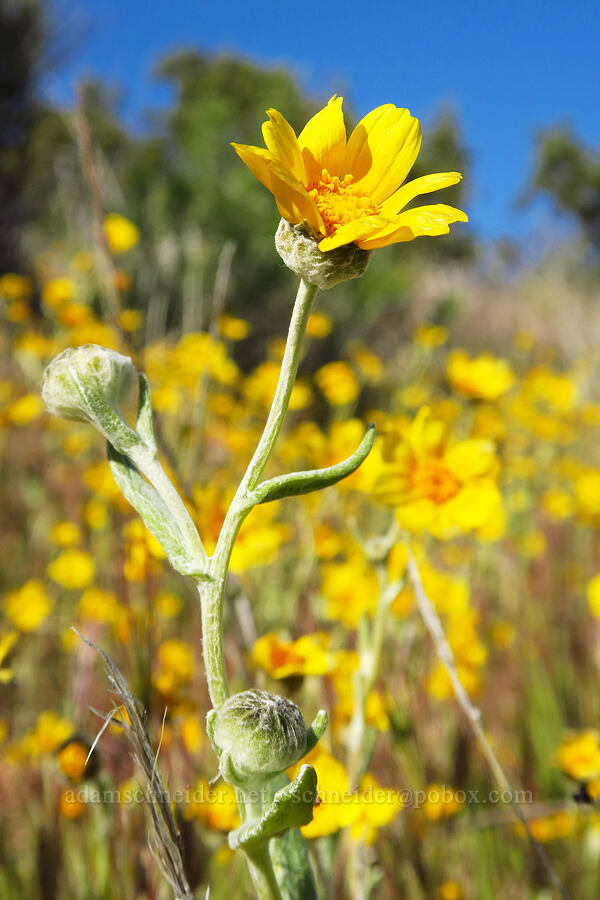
[(189, 283)]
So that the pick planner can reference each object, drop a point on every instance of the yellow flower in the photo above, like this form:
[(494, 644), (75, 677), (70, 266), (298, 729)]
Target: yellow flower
[(121, 234), (260, 385), (26, 409), (65, 534), (502, 634), (71, 806), (98, 605), (58, 292), (167, 605), (449, 890), (73, 569), (441, 802), (437, 486), (28, 607), (376, 711), (192, 733), (319, 325), (483, 376), (72, 759), (8, 639), (350, 588), (430, 336), (579, 755), (259, 540), (369, 365), (96, 514), (141, 551), (334, 794), (309, 655), (557, 503), (176, 666), (131, 319), (349, 190), (15, 287), (370, 808), (593, 595), (233, 329), (49, 733), (338, 383), (18, 311), (214, 806), (550, 828)]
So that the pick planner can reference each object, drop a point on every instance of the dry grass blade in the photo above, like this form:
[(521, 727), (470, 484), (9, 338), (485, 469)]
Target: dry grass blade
[(446, 657), (165, 841)]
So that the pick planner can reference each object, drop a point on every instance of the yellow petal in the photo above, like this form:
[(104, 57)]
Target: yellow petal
[(471, 458), (322, 141), (353, 231), (382, 149), (418, 515), (359, 157), (416, 222), (424, 185), (293, 202), (282, 142), (475, 503)]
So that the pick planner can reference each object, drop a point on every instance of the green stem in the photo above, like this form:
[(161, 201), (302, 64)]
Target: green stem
[(212, 591), (289, 366), (263, 876)]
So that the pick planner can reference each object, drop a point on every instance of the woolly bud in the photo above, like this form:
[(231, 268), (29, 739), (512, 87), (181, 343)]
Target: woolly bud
[(262, 734), (300, 252), (90, 384)]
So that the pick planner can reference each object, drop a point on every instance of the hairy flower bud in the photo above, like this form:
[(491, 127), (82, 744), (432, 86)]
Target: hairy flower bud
[(300, 252), (90, 384), (262, 733)]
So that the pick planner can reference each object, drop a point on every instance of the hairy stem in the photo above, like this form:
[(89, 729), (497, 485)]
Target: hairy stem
[(263, 876), (212, 591)]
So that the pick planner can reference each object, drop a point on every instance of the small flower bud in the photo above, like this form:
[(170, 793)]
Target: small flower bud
[(300, 252), (90, 384), (262, 733)]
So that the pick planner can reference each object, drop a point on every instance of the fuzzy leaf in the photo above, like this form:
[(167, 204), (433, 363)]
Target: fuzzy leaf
[(150, 506), (292, 807), (316, 730), (315, 479), (144, 425)]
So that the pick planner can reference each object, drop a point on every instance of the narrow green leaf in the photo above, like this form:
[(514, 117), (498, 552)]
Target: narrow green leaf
[(316, 730), (315, 479)]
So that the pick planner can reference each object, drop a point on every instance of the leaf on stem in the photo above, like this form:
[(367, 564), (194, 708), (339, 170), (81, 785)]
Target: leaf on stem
[(150, 506), (144, 424), (291, 807), (315, 479)]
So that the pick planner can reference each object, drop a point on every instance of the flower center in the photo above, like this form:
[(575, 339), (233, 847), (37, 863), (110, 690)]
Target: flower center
[(433, 480), (340, 201)]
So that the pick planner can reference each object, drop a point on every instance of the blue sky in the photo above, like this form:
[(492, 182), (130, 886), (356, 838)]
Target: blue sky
[(506, 68)]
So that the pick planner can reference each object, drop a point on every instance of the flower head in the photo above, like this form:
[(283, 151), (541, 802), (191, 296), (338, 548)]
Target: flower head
[(437, 485), (349, 190)]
